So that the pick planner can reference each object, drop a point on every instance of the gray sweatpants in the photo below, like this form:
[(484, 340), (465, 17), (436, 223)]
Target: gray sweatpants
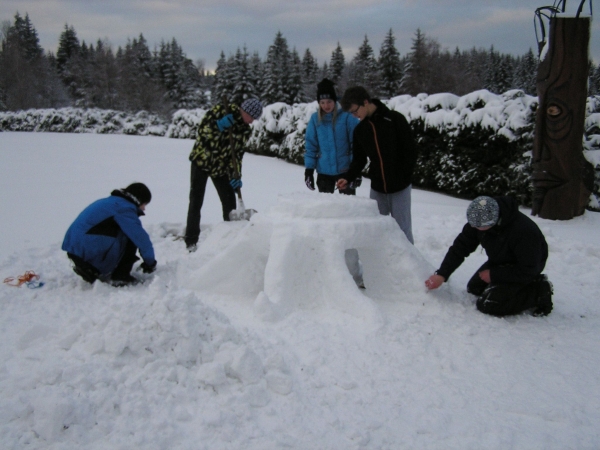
[(398, 206)]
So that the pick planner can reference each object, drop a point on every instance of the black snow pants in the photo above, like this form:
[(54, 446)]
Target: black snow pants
[(503, 299)]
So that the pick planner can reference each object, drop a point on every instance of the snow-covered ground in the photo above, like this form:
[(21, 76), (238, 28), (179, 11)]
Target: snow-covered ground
[(260, 339)]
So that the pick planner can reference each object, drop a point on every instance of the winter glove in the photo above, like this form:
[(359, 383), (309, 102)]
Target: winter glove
[(356, 183), (309, 179), (236, 183), (148, 268), (225, 122)]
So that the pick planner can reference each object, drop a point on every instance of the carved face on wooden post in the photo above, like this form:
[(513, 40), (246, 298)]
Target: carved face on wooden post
[(559, 191)]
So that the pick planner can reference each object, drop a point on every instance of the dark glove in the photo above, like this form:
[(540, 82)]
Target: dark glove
[(309, 179), (148, 268), (356, 183), (225, 122), (236, 183)]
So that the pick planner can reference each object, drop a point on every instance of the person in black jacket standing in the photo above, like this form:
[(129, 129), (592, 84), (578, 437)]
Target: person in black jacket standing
[(511, 280), (385, 138)]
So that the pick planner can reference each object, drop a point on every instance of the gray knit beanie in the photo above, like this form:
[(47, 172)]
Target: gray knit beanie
[(253, 107)]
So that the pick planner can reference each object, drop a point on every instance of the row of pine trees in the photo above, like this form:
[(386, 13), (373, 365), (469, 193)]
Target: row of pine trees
[(134, 78), (286, 77)]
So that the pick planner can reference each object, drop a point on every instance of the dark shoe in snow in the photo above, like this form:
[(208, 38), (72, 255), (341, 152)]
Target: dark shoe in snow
[(88, 276), (192, 248), (544, 300), (361, 285), (125, 281)]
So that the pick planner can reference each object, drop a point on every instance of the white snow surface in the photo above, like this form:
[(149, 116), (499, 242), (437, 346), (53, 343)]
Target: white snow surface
[(260, 339)]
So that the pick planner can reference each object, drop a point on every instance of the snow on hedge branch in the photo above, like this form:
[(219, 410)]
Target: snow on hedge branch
[(478, 143)]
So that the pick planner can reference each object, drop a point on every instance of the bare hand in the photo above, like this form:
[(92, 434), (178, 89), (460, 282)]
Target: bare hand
[(434, 281), (485, 276), (341, 184)]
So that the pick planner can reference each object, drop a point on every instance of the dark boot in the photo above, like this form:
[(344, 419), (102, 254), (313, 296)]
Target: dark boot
[(544, 298), (85, 270)]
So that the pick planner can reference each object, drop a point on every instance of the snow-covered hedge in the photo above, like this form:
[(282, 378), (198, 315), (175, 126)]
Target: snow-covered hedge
[(79, 120), (184, 122), (477, 143)]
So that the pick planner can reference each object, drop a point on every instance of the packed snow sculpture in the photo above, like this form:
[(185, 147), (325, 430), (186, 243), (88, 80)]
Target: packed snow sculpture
[(291, 258)]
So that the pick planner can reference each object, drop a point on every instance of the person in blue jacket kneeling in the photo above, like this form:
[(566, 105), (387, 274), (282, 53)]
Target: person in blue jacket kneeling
[(103, 240)]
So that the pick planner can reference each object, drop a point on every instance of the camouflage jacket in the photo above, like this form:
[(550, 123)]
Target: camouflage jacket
[(212, 151)]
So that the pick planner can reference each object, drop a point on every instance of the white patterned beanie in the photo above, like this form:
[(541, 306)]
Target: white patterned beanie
[(483, 212)]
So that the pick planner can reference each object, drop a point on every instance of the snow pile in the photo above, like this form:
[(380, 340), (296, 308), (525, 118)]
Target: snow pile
[(260, 339), (298, 246)]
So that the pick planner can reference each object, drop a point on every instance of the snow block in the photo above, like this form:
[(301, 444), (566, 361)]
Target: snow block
[(292, 258)]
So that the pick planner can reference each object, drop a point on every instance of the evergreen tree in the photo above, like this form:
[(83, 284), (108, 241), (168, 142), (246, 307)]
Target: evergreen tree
[(25, 36), (324, 72), (70, 64), (243, 81), (276, 75), (440, 68), (140, 79), (416, 70), (526, 73), (223, 83), (27, 79), (476, 64), (295, 91), (310, 76), (68, 47), (365, 70), (256, 73), (390, 67), (337, 65), (179, 77), (458, 71), (499, 72)]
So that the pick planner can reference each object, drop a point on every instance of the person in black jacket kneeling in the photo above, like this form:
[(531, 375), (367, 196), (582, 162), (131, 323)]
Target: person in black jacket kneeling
[(511, 280)]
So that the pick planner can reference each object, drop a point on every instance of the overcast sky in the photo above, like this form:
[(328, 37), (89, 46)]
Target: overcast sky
[(204, 28)]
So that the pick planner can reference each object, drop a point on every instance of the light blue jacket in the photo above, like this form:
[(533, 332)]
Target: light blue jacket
[(329, 147)]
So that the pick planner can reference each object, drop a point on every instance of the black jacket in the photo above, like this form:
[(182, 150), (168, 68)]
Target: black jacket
[(516, 248), (386, 139)]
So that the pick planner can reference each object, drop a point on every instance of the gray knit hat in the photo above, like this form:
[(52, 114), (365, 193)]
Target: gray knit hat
[(253, 107), (483, 212)]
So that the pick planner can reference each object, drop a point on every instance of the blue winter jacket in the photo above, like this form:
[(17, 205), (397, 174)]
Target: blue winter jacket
[(329, 148), (99, 234)]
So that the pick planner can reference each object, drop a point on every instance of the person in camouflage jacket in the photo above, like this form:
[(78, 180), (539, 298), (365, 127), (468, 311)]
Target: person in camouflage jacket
[(211, 157)]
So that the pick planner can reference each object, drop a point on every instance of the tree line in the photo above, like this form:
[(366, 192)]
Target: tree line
[(163, 80), (131, 79)]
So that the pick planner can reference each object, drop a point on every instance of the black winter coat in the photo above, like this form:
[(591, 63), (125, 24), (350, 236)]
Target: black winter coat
[(516, 248), (386, 139)]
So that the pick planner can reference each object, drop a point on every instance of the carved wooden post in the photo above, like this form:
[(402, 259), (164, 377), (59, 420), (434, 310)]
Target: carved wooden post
[(559, 191)]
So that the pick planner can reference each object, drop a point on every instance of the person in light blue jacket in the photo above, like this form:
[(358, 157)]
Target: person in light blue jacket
[(329, 151), (103, 240), (329, 142)]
